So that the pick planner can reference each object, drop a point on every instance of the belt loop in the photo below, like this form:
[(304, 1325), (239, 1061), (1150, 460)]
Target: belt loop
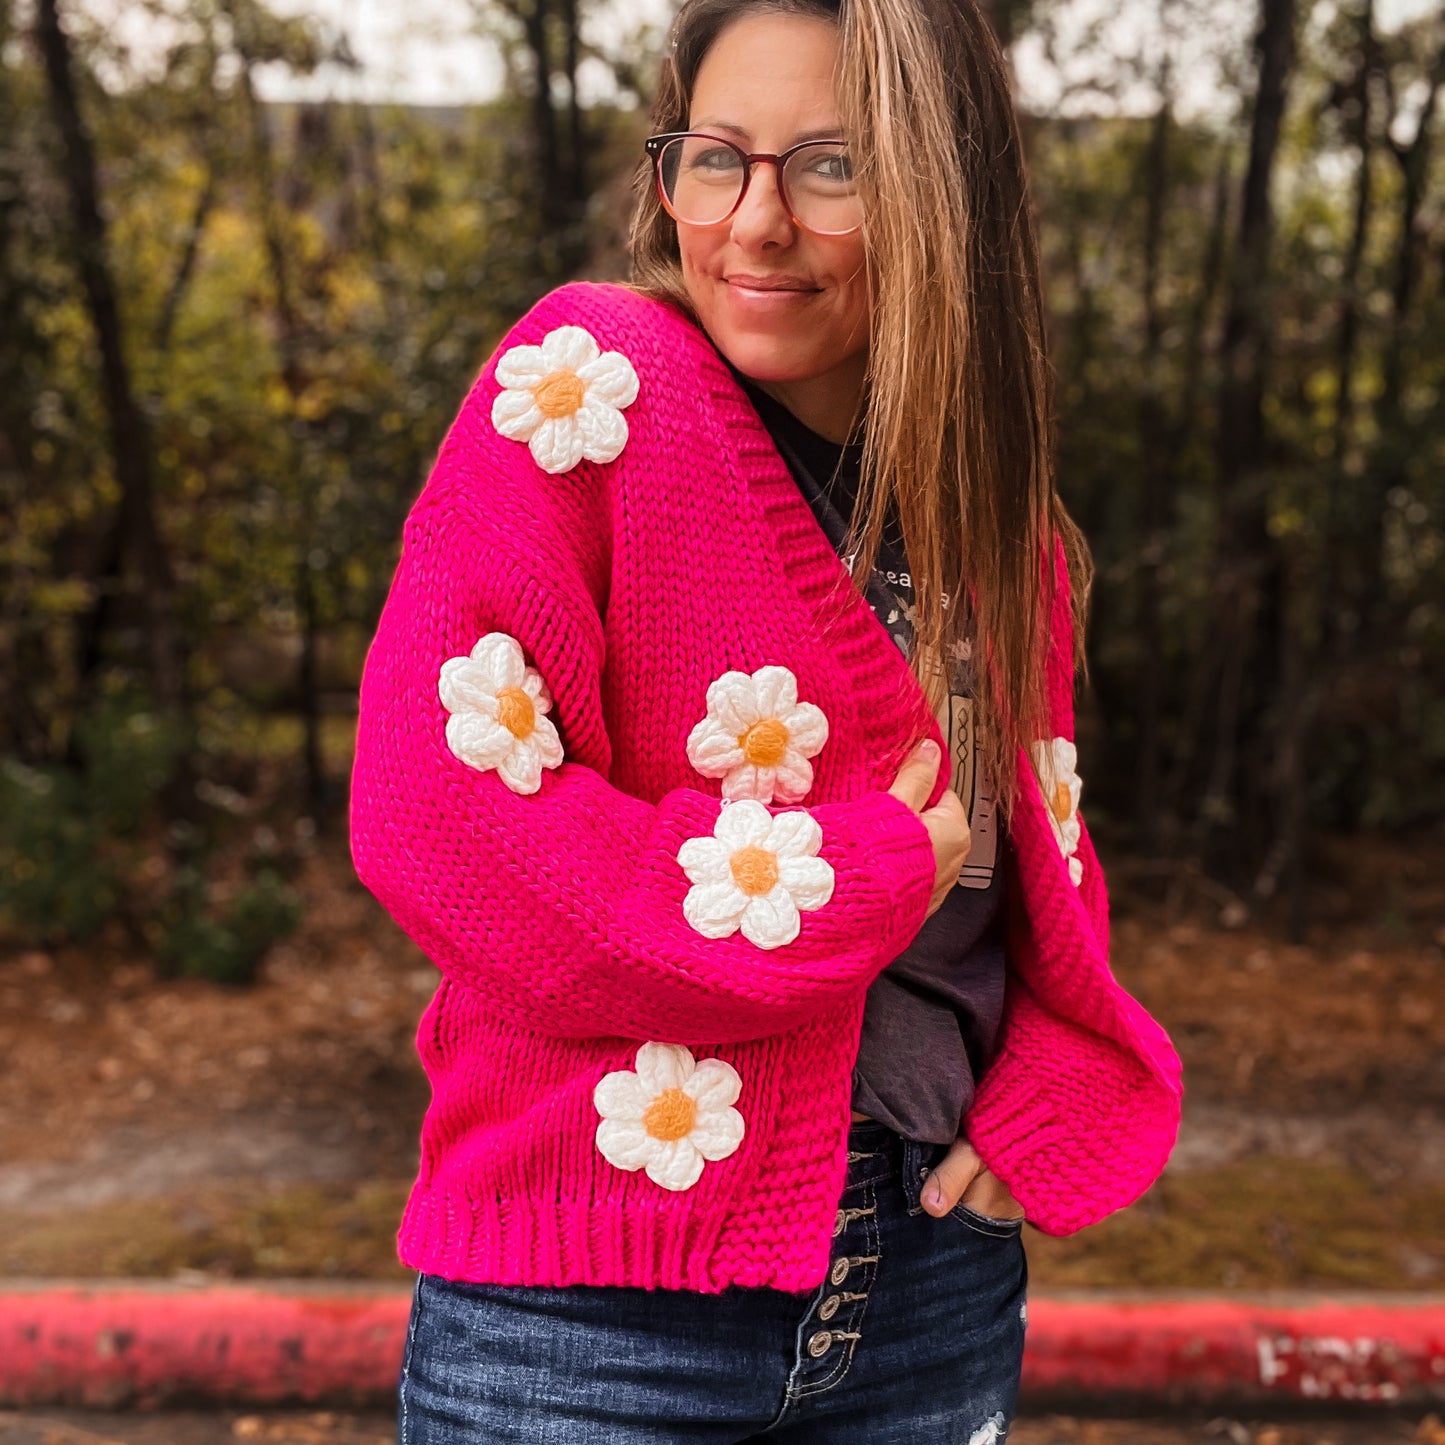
[(912, 1181)]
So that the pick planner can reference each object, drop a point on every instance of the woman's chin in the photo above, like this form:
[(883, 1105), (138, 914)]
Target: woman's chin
[(767, 357)]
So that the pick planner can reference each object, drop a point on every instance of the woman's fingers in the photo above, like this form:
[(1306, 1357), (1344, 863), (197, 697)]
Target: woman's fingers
[(950, 1177), (962, 1175), (946, 821), (915, 778)]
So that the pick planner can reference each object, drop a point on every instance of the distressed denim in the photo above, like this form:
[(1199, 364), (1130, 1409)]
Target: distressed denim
[(917, 1334)]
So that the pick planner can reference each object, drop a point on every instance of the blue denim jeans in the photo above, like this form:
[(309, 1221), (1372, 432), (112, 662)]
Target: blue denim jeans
[(915, 1336)]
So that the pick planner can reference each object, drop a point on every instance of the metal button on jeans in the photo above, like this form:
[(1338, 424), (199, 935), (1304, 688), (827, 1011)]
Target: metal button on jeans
[(818, 1345), (839, 1271), (829, 1307), (838, 1223)]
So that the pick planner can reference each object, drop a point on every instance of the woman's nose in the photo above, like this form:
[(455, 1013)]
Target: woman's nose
[(761, 216)]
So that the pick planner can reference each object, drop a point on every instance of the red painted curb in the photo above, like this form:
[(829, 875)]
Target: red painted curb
[(1206, 1351), (108, 1345)]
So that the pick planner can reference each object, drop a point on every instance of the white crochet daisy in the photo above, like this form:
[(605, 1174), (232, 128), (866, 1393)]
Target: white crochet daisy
[(498, 708), (564, 399), (669, 1116), (757, 737), (1055, 762), (755, 872)]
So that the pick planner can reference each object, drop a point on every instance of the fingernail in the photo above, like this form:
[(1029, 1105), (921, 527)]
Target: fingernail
[(933, 1195), (930, 751)]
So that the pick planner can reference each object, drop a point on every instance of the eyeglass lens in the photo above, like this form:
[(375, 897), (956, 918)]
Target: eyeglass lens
[(702, 181)]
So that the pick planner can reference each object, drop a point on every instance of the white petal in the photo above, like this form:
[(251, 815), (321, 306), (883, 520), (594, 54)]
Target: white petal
[(478, 741), (624, 1142), (714, 909), (772, 920), (621, 1095), (568, 348), (712, 749), (501, 660), (603, 430), (536, 689), (743, 824), (747, 780), (807, 728), (714, 1085), (809, 881), (675, 1164), (548, 745), (522, 366), (1066, 758), (557, 444), (516, 415), (610, 378), (718, 1135), (664, 1066), (794, 778), (795, 835), (705, 860), (1076, 871), (463, 687), (521, 769), (776, 690), (733, 701)]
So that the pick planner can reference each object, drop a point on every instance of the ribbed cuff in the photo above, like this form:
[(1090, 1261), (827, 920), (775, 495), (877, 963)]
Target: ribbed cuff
[(894, 849)]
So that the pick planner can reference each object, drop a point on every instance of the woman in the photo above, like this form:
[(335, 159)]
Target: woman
[(761, 1028)]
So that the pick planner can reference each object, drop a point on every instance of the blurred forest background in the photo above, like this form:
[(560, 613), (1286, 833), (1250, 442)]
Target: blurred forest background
[(233, 333)]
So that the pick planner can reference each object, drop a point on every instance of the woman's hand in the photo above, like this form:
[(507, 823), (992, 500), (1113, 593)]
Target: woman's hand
[(946, 821), (962, 1175)]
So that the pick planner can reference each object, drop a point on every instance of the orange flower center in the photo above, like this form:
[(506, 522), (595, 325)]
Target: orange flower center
[(515, 712), (765, 743), (755, 869), (1063, 804), (671, 1115), (559, 394)]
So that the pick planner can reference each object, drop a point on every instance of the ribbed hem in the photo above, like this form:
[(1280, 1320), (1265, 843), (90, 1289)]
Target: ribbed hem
[(657, 1244)]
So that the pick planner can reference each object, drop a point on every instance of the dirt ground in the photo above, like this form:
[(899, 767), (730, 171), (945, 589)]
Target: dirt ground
[(173, 1127)]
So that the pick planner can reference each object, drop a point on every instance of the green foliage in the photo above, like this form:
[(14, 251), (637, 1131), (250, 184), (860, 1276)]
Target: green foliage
[(78, 846), (200, 939)]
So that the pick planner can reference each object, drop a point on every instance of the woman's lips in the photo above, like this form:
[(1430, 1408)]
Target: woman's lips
[(757, 293)]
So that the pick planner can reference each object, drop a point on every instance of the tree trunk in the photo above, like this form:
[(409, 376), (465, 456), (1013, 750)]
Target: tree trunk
[(134, 572), (1390, 469), (1155, 486), (1246, 610), (576, 142), (289, 343)]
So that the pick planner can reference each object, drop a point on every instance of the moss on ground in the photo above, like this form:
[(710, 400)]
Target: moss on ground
[(1263, 1224)]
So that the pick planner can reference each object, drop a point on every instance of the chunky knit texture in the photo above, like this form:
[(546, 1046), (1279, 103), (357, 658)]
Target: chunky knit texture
[(556, 918)]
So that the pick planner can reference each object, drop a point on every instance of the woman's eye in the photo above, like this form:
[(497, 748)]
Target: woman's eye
[(837, 168), (717, 159)]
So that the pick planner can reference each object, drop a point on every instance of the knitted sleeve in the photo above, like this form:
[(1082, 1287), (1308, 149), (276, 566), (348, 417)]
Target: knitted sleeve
[(1080, 1108), (563, 907)]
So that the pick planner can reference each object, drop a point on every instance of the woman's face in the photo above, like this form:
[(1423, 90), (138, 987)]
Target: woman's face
[(784, 305)]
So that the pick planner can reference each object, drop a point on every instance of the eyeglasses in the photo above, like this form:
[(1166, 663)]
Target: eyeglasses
[(701, 180)]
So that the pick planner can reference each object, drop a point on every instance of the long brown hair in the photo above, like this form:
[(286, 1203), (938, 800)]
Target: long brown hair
[(958, 423)]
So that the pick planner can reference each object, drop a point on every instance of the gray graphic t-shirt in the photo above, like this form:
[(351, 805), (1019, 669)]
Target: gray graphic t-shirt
[(931, 1019)]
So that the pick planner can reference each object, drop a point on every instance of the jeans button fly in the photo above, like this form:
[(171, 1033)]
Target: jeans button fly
[(818, 1345)]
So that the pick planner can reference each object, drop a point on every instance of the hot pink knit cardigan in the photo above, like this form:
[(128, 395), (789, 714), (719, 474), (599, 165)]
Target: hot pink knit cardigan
[(556, 918)]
